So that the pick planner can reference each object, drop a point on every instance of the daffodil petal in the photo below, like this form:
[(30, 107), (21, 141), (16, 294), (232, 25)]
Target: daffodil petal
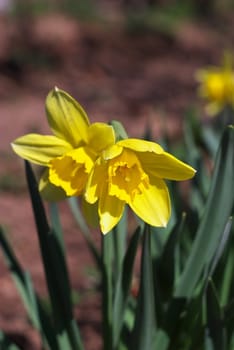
[(40, 149), (100, 136), (95, 182), (153, 204), (138, 145), (71, 171), (112, 152), (66, 117), (48, 191), (165, 166), (110, 210)]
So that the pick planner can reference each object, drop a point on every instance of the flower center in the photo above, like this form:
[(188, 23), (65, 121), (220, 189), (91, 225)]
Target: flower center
[(71, 171), (126, 177)]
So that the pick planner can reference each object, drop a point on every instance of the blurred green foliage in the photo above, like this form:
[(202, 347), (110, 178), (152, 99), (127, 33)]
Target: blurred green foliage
[(158, 19), (90, 9), (82, 9)]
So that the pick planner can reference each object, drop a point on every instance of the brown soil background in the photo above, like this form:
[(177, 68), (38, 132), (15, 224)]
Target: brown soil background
[(140, 80)]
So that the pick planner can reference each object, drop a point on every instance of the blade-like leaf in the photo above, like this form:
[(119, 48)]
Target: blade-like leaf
[(229, 314), (54, 266), (169, 326), (85, 230), (122, 287), (36, 312), (6, 343), (215, 324), (217, 211), (56, 225), (107, 276), (222, 244), (227, 276), (53, 259), (145, 324), (206, 247), (119, 241), (167, 266)]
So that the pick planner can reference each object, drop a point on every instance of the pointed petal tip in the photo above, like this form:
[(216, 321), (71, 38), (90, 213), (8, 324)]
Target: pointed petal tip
[(104, 228), (164, 224), (104, 232)]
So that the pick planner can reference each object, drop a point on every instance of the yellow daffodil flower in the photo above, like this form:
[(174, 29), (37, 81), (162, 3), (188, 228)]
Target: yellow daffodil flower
[(217, 87), (68, 154), (132, 172)]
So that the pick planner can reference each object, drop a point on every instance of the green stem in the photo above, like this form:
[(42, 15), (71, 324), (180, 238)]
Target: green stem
[(119, 242), (74, 336), (145, 322), (107, 241)]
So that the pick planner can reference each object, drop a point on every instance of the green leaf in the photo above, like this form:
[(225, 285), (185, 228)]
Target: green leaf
[(208, 342), (229, 315), (121, 293), (167, 267), (161, 340), (145, 323), (211, 139), (227, 280), (18, 275), (218, 208), (36, 312), (191, 327), (219, 252), (206, 249), (190, 129), (6, 343), (52, 256), (85, 230), (107, 276), (170, 324), (120, 132), (55, 268), (56, 224), (215, 324), (119, 242)]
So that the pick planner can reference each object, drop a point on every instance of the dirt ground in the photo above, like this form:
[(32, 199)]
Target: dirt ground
[(141, 80)]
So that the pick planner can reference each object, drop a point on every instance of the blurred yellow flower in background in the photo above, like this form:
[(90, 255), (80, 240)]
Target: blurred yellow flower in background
[(217, 86), (132, 172), (70, 153)]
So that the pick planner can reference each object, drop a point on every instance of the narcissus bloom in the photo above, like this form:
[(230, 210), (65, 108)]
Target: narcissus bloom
[(132, 172), (217, 87), (68, 154)]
